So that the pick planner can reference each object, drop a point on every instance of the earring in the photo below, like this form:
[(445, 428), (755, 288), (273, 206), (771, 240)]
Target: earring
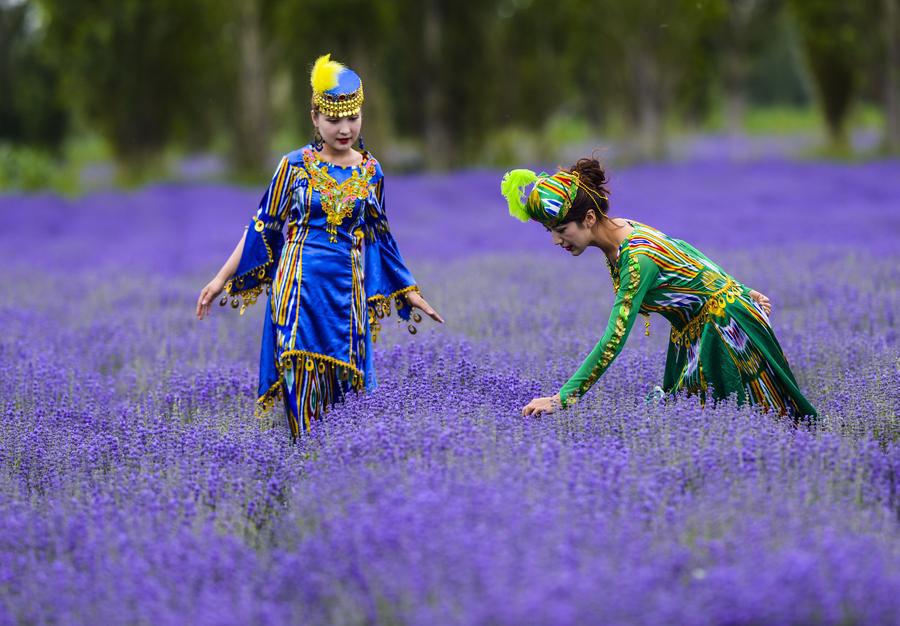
[(318, 142), (362, 144)]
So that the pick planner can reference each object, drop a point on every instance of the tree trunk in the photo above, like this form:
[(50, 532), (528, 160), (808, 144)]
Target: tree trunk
[(735, 98), (648, 90), (833, 60), (437, 139), (892, 77), (740, 15), (251, 149)]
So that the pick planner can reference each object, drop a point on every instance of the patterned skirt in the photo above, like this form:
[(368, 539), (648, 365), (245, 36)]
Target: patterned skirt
[(309, 387), (728, 349)]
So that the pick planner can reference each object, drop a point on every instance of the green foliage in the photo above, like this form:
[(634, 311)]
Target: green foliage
[(32, 109), (834, 36), (776, 76), (466, 80), (786, 120), (26, 168), (140, 71)]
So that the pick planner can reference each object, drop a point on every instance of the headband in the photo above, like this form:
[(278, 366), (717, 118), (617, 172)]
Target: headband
[(550, 198)]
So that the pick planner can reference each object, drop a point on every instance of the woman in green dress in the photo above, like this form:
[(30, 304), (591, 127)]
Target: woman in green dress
[(721, 343)]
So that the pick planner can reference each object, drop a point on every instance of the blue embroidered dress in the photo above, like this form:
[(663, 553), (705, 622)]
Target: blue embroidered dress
[(329, 281)]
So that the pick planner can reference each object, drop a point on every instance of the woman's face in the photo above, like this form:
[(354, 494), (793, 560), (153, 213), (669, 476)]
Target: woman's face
[(574, 237), (338, 133)]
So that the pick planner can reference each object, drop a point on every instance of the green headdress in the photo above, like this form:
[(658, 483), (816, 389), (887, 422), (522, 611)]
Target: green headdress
[(549, 200)]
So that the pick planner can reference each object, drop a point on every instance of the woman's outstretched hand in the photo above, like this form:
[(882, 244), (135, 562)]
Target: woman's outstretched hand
[(207, 295), (762, 301), (416, 301), (543, 406)]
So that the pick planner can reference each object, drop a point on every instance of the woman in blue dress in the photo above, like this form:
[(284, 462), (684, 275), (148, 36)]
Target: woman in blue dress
[(335, 274)]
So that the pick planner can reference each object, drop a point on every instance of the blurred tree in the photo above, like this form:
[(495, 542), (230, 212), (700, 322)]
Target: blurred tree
[(440, 75), (469, 108), (891, 12), (444, 75), (834, 39), (702, 58), (250, 118), (532, 79), (747, 27), (584, 59), (31, 106), (776, 76), (437, 135), (652, 45), (140, 71)]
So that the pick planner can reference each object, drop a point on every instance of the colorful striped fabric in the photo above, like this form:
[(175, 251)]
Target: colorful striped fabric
[(328, 281), (721, 343), (551, 196)]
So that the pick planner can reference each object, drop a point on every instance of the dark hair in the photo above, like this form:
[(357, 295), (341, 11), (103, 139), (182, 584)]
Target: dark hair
[(591, 175)]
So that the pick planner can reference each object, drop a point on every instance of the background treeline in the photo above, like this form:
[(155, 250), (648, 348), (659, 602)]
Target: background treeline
[(448, 82)]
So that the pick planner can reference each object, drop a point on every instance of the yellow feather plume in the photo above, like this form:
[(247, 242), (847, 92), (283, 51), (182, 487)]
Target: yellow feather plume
[(324, 75)]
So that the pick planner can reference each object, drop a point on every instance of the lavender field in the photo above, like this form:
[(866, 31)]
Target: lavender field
[(136, 485)]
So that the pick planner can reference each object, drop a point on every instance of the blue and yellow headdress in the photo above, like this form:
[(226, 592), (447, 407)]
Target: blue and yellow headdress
[(550, 198), (337, 90)]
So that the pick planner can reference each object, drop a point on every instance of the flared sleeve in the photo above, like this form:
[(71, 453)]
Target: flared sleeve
[(264, 241), (637, 274), (387, 278)]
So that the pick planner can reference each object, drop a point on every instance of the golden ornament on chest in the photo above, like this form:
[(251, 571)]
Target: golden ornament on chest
[(338, 199)]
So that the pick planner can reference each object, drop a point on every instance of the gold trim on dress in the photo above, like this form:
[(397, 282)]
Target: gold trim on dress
[(619, 328), (379, 307), (338, 199), (715, 305)]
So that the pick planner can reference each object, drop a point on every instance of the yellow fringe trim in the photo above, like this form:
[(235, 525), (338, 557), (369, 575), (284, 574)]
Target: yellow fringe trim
[(379, 306), (247, 297), (360, 377), (399, 292), (266, 401)]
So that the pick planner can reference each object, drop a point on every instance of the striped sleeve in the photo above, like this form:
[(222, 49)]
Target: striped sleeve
[(264, 240), (636, 275)]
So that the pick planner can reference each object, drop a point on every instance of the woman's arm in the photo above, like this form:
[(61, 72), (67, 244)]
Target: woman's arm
[(251, 265), (217, 284), (386, 274), (637, 275)]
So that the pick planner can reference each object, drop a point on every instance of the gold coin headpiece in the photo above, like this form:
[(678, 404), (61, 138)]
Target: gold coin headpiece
[(337, 90)]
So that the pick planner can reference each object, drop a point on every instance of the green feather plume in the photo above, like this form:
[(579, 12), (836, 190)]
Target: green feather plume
[(511, 187)]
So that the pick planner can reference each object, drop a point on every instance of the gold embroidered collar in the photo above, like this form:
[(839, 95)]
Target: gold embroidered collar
[(338, 199)]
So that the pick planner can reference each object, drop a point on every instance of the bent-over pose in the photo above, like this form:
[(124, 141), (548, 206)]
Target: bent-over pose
[(721, 342)]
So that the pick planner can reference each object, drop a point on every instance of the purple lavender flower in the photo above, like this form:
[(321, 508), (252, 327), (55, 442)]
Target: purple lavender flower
[(136, 485)]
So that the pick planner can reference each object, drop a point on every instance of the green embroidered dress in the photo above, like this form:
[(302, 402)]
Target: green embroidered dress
[(721, 342)]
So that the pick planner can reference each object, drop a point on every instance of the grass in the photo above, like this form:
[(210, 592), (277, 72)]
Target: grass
[(789, 120)]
